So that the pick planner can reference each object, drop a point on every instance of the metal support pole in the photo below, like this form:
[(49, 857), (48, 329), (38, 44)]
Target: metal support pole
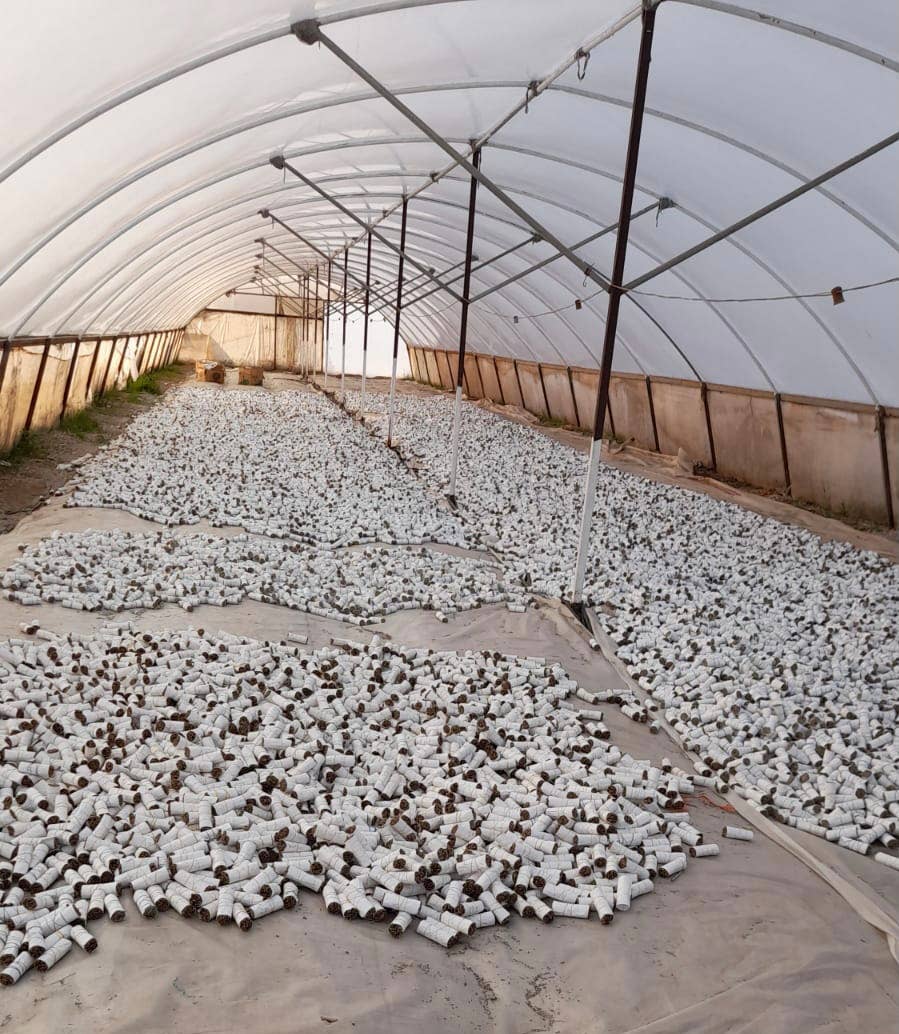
[(518, 382), (121, 365), (499, 383), (279, 163), (463, 324), (4, 361), (577, 415), (880, 426), (327, 324), (772, 206), (143, 352), (396, 326), (656, 206), (615, 294), (37, 385), (788, 486), (346, 258), (70, 374), (652, 413), (365, 326), (310, 32), (543, 389), (315, 322), (704, 392)]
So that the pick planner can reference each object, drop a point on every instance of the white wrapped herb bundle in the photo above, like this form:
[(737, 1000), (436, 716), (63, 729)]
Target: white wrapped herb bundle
[(118, 570), (773, 653), (220, 777), (286, 464)]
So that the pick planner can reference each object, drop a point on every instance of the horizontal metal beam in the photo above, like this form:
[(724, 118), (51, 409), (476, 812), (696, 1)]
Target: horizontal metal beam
[(760, 213), (280, 162), (654, 207), (310, 32)]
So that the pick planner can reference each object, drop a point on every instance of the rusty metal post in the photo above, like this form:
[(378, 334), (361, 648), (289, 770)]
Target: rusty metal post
[(70, 375), (615, 294), (788, 485), (37, 385), (880, 420), (365, 317), (463, 324), (652, 414), (704, 392), (396, 322)]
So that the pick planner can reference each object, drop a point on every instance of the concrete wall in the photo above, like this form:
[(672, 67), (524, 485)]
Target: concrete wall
[(834, 456), (834, 449), (42, 380)]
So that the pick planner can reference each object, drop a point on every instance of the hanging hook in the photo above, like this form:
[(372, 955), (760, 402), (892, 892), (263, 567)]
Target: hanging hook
[(530, 92), (582, 57)]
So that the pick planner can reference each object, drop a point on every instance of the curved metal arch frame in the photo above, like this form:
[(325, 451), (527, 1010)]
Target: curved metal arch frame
[(307, 108), (281, 32), (430, 89), (580, 214), (604, 173), (630, 349), (435, 317)]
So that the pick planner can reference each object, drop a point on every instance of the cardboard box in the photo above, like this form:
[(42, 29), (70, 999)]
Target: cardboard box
[(211, 373), (249, 375)]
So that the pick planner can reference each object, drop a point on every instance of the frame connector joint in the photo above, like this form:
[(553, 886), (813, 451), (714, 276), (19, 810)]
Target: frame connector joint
[(307, 31), (277, 160)]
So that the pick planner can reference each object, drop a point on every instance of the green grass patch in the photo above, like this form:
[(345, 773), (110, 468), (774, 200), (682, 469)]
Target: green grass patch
[(28, 447), (150, 383), (79, 424), (551, 421)]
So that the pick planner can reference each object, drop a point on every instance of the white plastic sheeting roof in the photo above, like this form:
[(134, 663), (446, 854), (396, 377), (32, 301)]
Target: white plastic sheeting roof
[(137, 137)]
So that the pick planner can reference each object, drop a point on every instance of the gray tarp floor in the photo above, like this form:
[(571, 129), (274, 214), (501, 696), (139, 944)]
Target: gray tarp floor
[(752, 941)]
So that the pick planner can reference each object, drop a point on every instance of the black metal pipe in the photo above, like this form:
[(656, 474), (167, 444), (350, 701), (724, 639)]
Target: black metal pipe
[(4, 361), (759, 213), (466, 278), (652, 414), (69, 377), (499, 383), (577, 416), (105, 382), (280, 163), (37, 385), (788, 486), (367, 295), (624, 219), (704, 392), (880, 425), (399, 283)]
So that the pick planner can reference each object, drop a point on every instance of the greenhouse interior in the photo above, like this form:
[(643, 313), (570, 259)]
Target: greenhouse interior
[(449, 481)]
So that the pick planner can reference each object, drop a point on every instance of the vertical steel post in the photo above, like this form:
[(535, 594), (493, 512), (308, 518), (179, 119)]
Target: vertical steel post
[(577, 415), (346, 259), (499, 383), (652, 414), (396, 323), (615, 294), (4, 360), (315, 322), (880, 421), (781, 434), (327, 324), (704, 392), (37, 385), (365, 328), (70, 375), (105, 382), (463, 324)]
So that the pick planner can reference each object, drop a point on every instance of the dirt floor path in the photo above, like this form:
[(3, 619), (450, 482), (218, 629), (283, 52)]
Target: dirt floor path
[(31, 473)]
